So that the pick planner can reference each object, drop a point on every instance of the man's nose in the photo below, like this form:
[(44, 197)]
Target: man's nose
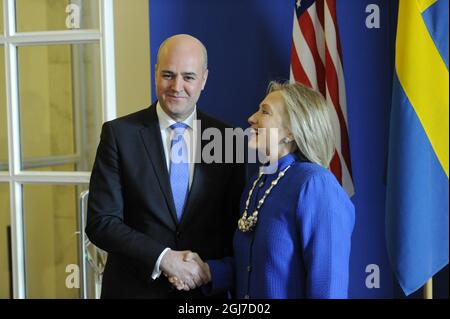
[(177, 84)]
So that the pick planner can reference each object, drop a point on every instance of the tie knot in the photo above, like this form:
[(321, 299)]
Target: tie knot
[(179, 127)]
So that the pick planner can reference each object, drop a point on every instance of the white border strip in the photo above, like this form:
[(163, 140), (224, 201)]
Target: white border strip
[(12, 103), (53, 178), (53, 37), (108, 66)]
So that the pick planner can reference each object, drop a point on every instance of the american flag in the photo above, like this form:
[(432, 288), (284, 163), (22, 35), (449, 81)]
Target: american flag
[(316, 61)]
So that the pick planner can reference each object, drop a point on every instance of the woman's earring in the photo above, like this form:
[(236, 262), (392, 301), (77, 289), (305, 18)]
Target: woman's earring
[(286, 140)]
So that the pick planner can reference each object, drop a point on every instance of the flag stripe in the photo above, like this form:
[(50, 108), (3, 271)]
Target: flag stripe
[(317, 62), (317, 27), (332, 85), (309, 34), (335, 166), (417, 199), (424, 4), (297, 68), (340, 168), (333, 49), (306, 57), (437, 25), (335, 76), (415, 47), (334, 117), (347, 179), (320, 12), (331, 6)]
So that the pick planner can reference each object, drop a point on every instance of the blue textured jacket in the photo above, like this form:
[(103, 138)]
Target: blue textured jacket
[(300, 246)]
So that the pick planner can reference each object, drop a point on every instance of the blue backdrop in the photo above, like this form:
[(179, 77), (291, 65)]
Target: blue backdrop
[(249, 44)]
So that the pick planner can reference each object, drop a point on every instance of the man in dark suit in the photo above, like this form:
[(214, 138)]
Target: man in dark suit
[(149, 210)]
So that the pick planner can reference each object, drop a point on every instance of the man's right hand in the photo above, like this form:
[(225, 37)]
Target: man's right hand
[(185, 268)]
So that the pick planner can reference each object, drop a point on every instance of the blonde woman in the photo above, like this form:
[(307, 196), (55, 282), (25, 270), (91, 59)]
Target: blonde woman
[(294, 235)]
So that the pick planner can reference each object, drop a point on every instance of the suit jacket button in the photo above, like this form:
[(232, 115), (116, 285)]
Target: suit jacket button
[(246, 297), (249, 268), (178, 234)]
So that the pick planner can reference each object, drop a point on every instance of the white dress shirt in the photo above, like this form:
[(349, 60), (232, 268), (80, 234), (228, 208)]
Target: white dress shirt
[(190, 136)]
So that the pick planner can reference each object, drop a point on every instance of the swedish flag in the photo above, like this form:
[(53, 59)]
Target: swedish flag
[(417, 183)]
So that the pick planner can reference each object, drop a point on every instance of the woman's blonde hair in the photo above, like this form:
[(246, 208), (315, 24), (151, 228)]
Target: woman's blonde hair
[(309, 121)]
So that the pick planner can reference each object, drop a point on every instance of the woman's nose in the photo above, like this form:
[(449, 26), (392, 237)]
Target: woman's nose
[(252, 119)]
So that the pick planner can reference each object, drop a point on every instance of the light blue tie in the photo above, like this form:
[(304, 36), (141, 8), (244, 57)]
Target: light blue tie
[(179, 168)]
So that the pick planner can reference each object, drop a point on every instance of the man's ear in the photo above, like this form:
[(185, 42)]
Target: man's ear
[(205, 77)]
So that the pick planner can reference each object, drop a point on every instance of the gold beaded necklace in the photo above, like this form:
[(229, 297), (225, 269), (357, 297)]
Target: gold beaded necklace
[(246, 224)]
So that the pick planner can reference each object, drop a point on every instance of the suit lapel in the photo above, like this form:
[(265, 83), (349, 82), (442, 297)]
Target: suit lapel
[(151, 137)]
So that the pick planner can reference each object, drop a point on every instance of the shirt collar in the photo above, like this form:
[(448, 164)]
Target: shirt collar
[(279, 165), (165, 121)]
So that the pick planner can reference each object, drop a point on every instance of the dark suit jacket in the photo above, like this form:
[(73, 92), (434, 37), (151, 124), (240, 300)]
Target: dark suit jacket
[(131, 213)]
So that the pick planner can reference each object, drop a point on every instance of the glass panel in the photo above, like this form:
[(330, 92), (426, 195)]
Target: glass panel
[(51, 240), (51, 15), (5, 244), (60, 106), (59, 168), (3, 119)]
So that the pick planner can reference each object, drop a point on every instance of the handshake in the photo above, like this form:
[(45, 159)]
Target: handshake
[(185, 270)]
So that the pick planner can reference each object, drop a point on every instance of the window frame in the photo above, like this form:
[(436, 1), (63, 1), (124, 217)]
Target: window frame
[(11, 40)]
